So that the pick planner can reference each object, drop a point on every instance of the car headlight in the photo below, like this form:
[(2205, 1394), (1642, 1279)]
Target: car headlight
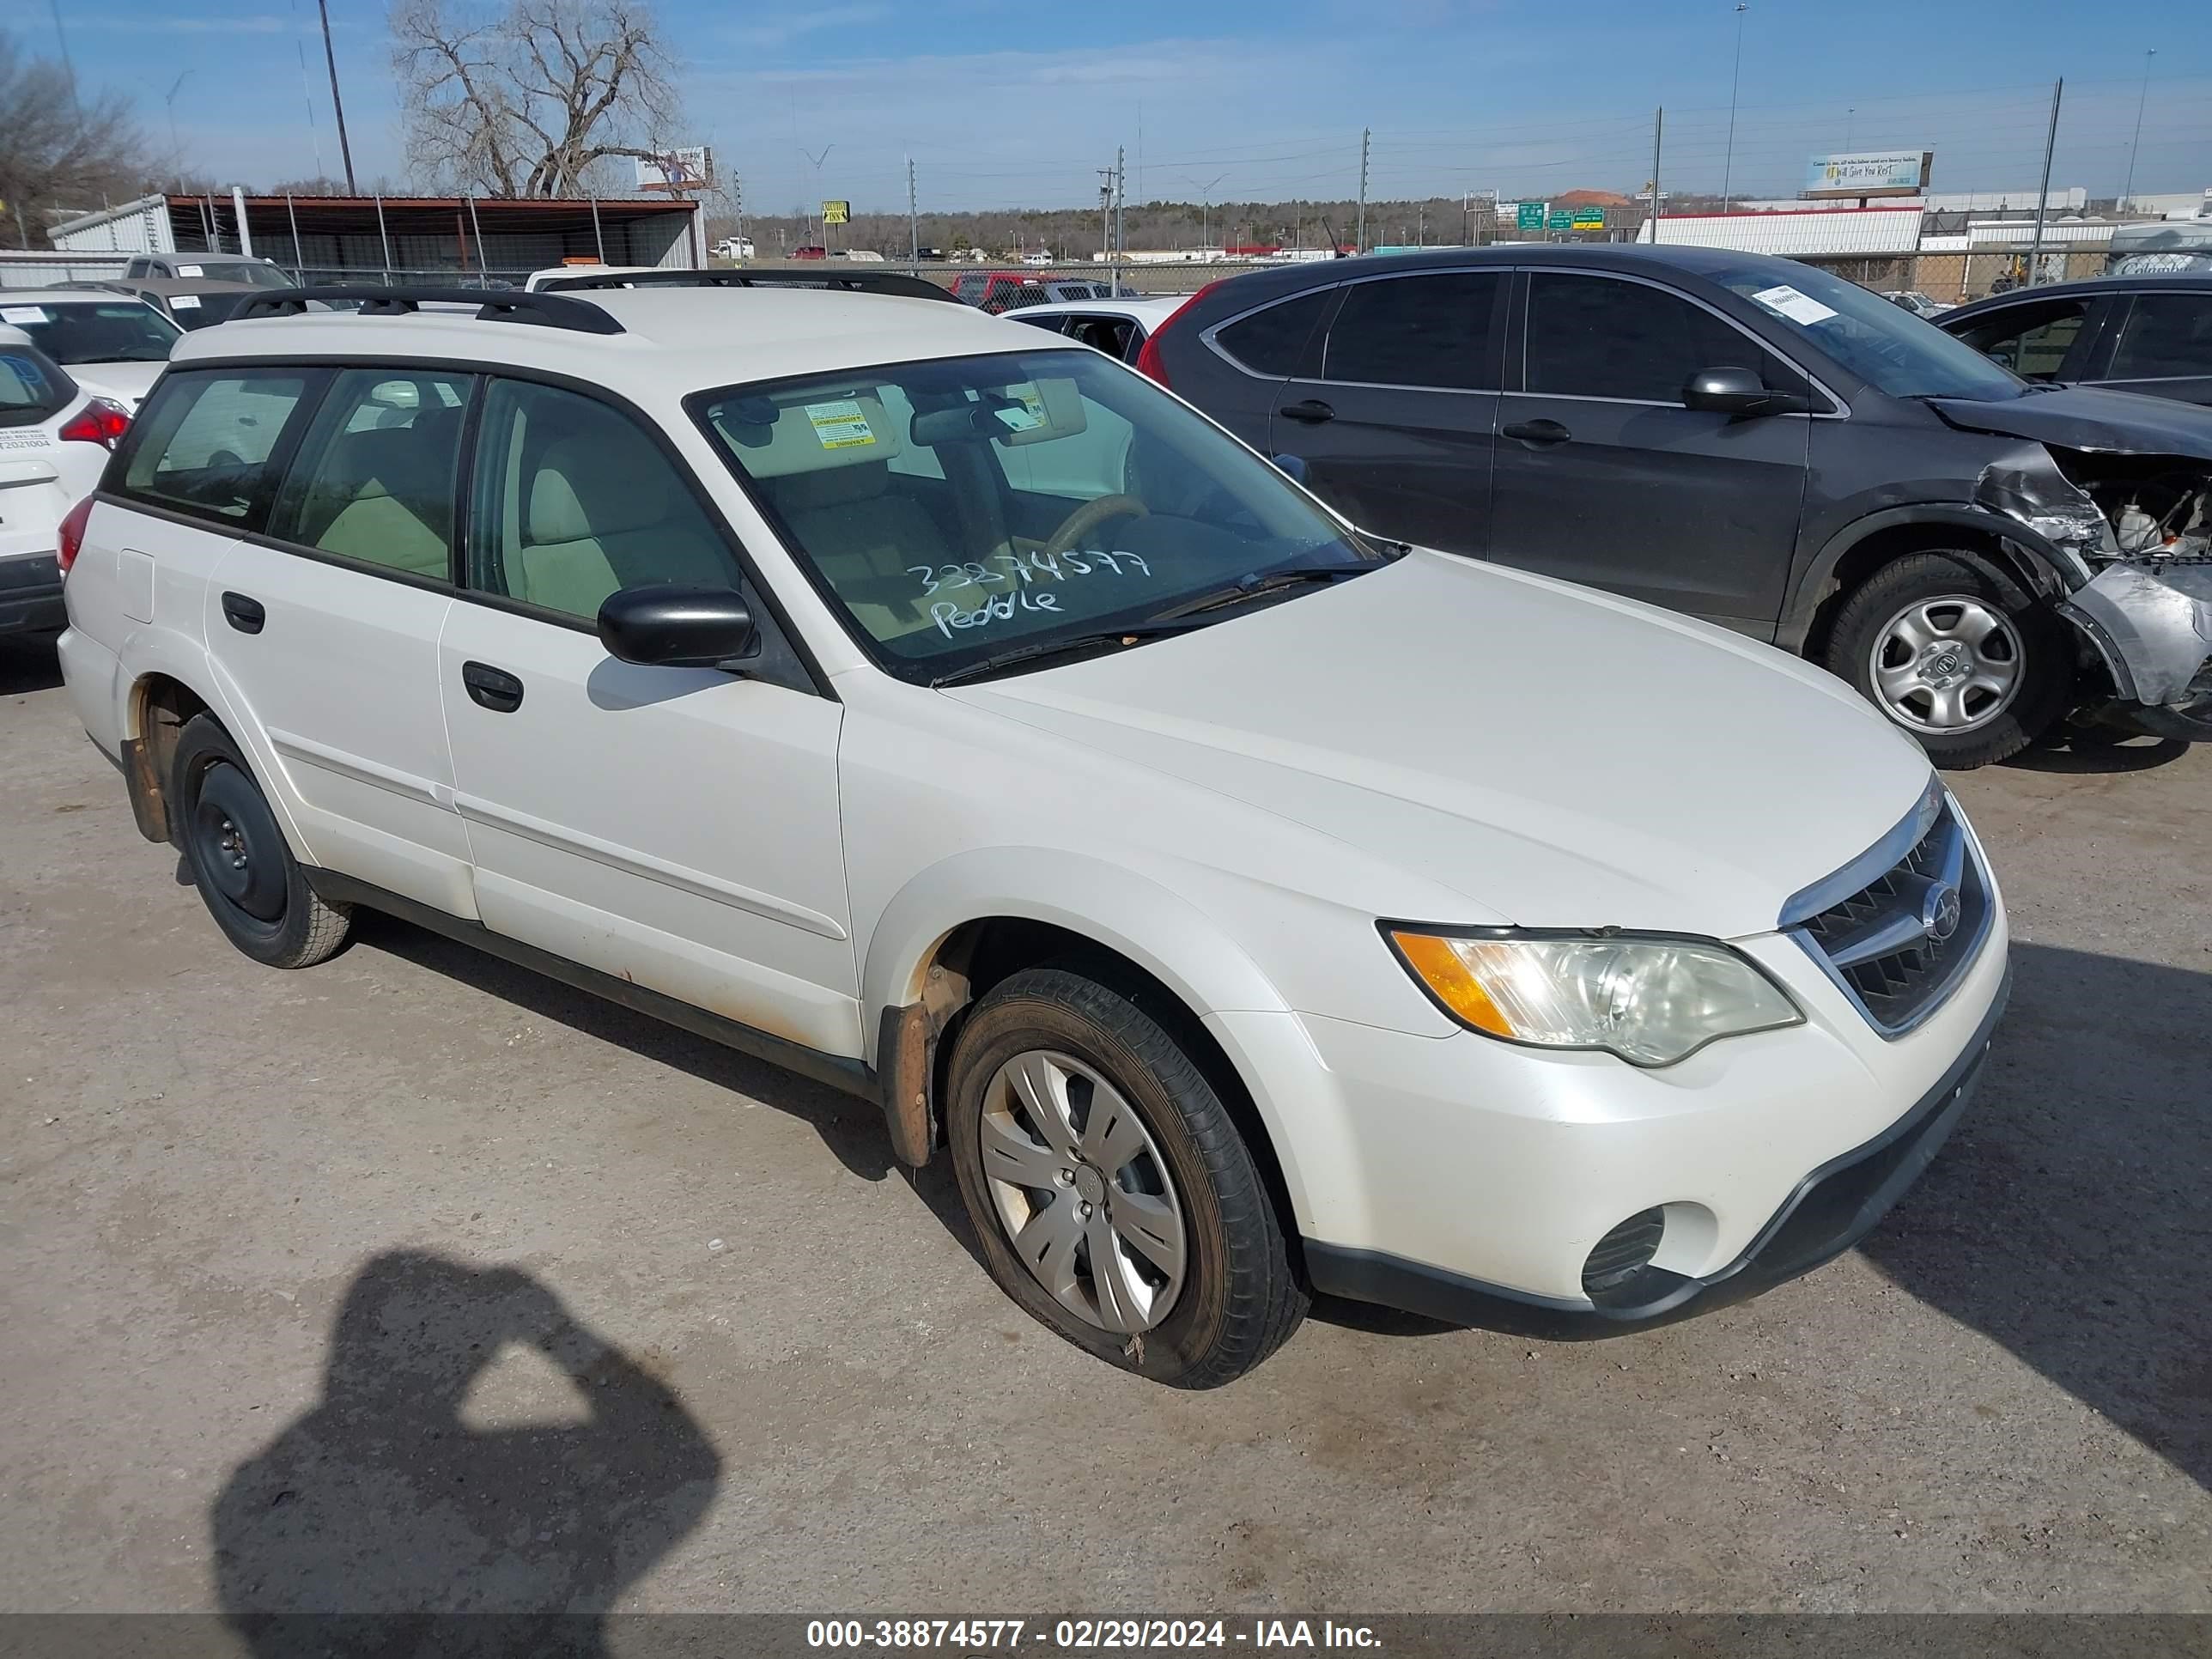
[(1651, 1002)]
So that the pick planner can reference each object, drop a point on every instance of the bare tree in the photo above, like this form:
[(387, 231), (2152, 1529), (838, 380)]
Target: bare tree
[(57, 152), (525, 101)]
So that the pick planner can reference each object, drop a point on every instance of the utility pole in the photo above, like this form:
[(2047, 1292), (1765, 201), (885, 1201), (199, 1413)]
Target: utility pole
[(337, 107), (1121, 202), (1658, 127), (913, 223), (1359, 236), (2043, 201), (1106, 214), (1735, 77)]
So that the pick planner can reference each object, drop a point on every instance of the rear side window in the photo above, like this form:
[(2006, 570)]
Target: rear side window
[(1417, 332), (202, 442), (1274, 341), (2166, 335), (1596, 336), (31, 388), (374, 477)]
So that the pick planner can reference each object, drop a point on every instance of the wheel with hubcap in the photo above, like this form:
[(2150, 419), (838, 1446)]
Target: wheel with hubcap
[(1115, 1197), (1956, 654), (246, 876)]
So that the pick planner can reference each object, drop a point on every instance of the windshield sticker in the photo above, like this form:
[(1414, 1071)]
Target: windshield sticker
[(1029, 416), (185, 301), (839, 425), (22, 314), (191, 271), (1786, 301)]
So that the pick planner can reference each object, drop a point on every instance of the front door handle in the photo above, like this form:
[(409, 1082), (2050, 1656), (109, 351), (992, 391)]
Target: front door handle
[(1537, 432), (246, 615), (1311, 411), (492, 688)]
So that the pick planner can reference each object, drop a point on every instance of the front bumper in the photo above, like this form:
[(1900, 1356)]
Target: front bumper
[(1833, 1208), (2153, 627), (31, 595)]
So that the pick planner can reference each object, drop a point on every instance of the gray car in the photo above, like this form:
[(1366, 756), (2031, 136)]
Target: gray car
[(1752, 441)]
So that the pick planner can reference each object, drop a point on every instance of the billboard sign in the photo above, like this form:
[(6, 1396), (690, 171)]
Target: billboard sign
[(1888, 173), (668, 171), (837, 213)]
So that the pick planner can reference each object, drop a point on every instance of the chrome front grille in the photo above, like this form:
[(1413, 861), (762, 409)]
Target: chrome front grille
[(1898, 927)]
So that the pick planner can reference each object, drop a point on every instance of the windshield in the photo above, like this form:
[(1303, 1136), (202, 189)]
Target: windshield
[(102, 331), (1884, 345), (239, 270), (956, 510)]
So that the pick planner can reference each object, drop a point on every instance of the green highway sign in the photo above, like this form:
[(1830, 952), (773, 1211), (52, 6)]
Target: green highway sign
[(1561, 219), (1529, 216), (1589, 218)]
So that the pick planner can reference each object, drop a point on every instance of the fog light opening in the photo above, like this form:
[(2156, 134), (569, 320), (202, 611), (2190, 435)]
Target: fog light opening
[(1624, 1253)]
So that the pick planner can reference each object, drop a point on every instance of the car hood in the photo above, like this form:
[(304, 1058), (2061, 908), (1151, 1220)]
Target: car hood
[(2090, 418), (1555, 755), (126, 383)]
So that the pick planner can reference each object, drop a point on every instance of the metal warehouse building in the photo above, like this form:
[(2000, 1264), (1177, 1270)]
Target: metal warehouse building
[(396, 238)]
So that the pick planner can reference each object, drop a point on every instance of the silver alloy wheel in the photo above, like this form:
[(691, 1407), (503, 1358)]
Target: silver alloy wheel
[(1083, 1191), (1947, 664)]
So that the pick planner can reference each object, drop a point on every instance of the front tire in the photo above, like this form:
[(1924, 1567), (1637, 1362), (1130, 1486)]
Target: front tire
[(1114, 1196), (248, 879), (1968, 663)]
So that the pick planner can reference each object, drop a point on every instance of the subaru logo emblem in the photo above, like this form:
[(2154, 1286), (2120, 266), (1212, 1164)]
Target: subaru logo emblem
[(1939, 912)]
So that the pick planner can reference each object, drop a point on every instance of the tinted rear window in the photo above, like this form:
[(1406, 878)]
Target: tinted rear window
[(1428, 330), (1272, 342), (31, 388)]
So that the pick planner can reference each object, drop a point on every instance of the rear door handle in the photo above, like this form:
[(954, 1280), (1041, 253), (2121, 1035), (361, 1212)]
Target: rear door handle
[(492, 688), (1311, 411), (1537, 432), (246, 615)]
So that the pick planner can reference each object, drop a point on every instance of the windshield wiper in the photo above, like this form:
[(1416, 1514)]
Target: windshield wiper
[(1250, 588), (1039, 650)]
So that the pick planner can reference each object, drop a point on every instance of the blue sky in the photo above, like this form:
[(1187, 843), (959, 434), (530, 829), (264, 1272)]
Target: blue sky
[(1017, 102)]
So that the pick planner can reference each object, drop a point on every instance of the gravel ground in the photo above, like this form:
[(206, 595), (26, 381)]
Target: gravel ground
[(281, 1249)]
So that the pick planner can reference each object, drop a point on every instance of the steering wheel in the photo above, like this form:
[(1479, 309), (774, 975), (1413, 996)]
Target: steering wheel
[(1087, 518)]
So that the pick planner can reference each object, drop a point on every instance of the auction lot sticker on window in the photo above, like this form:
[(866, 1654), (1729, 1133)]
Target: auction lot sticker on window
[(22, 314), (839, 425), (1787, 301)]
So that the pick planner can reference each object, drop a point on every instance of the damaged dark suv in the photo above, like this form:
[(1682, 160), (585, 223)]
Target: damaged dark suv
[(1753, 442)]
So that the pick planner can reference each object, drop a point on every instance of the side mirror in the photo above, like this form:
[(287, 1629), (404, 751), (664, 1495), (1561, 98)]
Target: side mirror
[(665, 626), (1728, 391), (1292, 467)]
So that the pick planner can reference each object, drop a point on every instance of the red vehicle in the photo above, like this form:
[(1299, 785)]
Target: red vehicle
[(995, 291), (811, 251)]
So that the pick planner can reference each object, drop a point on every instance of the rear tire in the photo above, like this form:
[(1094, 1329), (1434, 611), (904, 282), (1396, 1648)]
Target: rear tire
[(1144, 1168), (1962, 658), (250, 884)]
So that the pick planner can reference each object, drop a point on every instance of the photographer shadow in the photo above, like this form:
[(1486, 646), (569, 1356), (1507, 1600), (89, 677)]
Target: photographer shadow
[(382, 1521)]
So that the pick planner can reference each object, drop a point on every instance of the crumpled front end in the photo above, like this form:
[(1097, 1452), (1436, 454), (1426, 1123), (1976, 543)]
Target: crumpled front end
[(2136, 530)]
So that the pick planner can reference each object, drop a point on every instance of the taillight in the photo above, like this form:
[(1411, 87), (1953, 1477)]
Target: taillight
[(101, 422), (72, 535), (1148, 354)]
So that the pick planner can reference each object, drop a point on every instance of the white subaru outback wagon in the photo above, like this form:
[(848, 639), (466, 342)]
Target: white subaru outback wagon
[(1246, 907)]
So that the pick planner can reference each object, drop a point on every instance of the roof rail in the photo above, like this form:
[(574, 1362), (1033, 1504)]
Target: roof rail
[(545, 310), (852, 281)]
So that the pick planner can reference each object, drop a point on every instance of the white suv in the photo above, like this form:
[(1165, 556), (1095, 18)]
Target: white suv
[(1247, 907)]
